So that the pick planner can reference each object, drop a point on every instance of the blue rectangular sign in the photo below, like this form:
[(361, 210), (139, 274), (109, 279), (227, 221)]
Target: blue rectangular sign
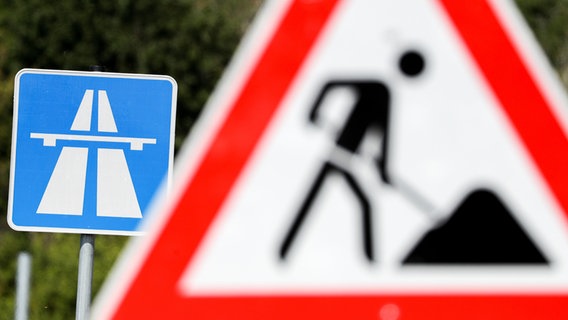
[(89, 150)]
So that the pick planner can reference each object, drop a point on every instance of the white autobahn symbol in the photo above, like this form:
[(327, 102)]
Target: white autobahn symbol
[(65, 191)]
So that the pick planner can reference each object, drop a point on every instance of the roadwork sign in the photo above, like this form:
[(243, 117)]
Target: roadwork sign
[(367, 160), (89, 149)]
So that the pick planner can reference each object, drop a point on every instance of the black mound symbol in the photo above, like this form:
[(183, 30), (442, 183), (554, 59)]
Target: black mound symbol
[(481, 231)]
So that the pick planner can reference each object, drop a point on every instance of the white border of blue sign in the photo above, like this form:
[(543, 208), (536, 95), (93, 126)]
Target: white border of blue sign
[(165, 185)]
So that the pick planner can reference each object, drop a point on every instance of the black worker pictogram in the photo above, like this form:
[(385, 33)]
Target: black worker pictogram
[(370, 112)]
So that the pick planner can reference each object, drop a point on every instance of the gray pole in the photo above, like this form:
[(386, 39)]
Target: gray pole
[(85, 276), (23, 285)]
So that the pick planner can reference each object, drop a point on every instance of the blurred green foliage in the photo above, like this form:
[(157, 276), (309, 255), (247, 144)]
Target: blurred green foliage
[(190, 40), (549, 21)]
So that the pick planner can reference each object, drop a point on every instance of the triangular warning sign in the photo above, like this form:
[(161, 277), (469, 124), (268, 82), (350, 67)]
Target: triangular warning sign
[(366, 160)]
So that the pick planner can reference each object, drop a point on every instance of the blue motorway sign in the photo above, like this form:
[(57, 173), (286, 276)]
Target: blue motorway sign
[(89, 150)]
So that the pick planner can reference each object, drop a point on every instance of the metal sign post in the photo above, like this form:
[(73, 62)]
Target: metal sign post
[(23, 285), (85, 276)]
